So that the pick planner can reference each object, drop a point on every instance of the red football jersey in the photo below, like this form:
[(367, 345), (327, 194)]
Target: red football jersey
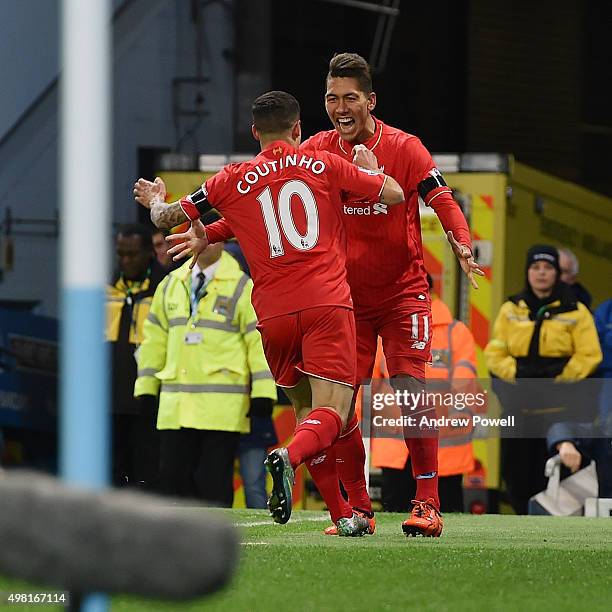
[(284, 207), (385, 253)]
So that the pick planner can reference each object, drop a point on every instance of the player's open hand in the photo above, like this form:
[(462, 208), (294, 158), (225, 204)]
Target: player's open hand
[(192, 242), (147, 193), (466, 260), (364, 158)]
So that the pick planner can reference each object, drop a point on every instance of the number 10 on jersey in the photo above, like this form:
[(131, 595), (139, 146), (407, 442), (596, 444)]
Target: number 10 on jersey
[(287, 225)]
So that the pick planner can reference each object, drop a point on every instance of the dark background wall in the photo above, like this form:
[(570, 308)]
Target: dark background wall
[(596, 96), (524, 81), (529, 78), (422, 87)]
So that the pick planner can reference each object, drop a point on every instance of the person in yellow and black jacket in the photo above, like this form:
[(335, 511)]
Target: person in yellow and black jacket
[(128, 299), (204, 355), (543, 333)]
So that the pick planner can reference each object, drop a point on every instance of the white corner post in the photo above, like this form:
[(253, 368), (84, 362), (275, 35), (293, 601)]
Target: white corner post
[(85, 178)]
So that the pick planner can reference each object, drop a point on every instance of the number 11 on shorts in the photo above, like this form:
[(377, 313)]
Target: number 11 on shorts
[(418, 341)]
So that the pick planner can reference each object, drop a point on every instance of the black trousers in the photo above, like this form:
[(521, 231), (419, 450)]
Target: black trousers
[(399, 489), (522, 468), (135, 451), (199, 464)]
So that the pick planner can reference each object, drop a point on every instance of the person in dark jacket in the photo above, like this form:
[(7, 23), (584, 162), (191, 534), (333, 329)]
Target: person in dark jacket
[(253, 449), (569, 267), (135, 442), (603, 323), (579, 443), (543, 332)]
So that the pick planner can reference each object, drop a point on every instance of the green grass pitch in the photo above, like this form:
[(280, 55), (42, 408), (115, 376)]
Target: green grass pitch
[(485, 562)]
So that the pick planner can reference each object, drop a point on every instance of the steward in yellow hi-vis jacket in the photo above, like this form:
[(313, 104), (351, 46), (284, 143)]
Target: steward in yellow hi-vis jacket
[(203, 353), (128, 299), (540, 333)]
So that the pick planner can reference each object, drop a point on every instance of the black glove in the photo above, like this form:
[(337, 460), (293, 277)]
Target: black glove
[(260, 407), (147, 403)]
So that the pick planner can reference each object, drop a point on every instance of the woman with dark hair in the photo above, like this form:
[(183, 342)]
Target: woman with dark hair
[(542, 332)]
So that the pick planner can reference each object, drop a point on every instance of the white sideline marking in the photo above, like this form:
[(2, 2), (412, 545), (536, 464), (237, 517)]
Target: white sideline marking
[(254, 543), (271, 522)]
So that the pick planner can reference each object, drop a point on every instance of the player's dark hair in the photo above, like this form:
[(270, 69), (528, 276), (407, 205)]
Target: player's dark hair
[(353, 66), (138, 229), (275, 112)]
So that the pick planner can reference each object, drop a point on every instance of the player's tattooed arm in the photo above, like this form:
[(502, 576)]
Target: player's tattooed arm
[(151, 194), (167, 215)]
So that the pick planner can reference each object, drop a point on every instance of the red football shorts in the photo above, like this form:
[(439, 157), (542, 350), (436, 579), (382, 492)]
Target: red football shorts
[(406, 337), (319, 342)]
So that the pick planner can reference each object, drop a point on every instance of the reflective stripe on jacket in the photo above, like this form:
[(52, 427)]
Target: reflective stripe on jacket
[(207, 365), (140, 294)]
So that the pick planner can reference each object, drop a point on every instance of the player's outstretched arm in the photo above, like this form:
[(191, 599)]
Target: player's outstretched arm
[(219, 231), (192, 242), (151, 194), (466, 259), (166, 216), (434, 192)]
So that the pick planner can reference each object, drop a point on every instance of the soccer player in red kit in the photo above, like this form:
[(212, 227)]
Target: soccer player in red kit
[(391, 300), (284, 207), (393, 303)]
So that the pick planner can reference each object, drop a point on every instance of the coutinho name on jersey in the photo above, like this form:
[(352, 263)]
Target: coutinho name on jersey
[(316, 166)]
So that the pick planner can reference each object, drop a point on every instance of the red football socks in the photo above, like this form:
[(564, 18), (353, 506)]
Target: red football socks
[(422, 443), (317, 432), (424, 458), (350, 458), (322, 468)]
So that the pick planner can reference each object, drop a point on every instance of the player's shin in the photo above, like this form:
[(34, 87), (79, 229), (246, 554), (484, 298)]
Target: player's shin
[(317, 432), (421, 438), (322, 468), (422, 443), (424, 458), (350, 457)]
